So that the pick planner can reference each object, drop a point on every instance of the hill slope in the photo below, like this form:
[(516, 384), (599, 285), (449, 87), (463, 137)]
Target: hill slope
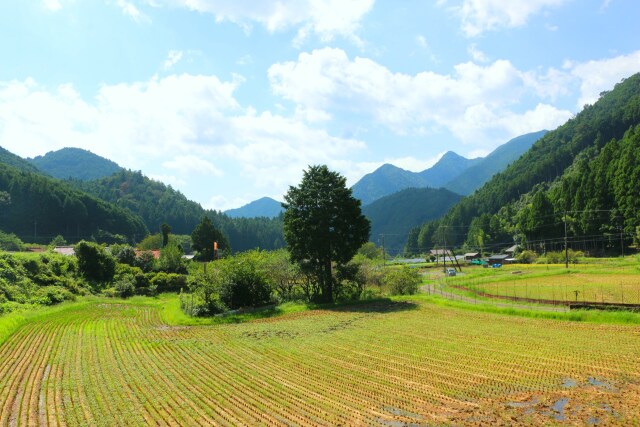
[(158, 203), (39, 208), (585, 167), (477, 174), (449, 167), (10, 159), (75, 163), (385, 180), (395, 215), (263, 207)]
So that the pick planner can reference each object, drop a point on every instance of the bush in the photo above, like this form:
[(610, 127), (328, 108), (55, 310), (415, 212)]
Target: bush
[(124, 287), (527, 257), (124, 254), (244, 282), (50, 295), (402, 281), (94, 263), (10, 242), (168, 282)]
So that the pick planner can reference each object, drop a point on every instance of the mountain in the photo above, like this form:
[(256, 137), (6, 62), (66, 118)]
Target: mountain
[(10, 159), (586, 172), (395, 215), (264, 207), (385, 180), (74, 163), (450, 166), (157, 203), (477, 174), (452, 171), (38, 208)]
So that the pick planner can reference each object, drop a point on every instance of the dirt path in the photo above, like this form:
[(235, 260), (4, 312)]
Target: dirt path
[(436, 290)]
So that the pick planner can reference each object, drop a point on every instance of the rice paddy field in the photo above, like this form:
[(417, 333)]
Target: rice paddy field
[(593, 282), (390, 363)]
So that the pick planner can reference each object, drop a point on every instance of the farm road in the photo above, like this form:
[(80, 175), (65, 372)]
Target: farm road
[(436, 290)]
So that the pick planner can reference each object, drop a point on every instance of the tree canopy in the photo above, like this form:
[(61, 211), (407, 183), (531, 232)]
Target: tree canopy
[(323, 223), (204, 236)]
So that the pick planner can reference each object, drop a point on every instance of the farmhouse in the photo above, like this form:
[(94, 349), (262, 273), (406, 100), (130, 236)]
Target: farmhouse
[(471, 256), (511, 251)]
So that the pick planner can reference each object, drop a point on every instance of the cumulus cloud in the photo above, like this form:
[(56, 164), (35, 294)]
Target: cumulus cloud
[(190, 125), (469, 103), (479, 16), (173, 58), (600, 75), (52, 5), (132, 11), (323, 18)]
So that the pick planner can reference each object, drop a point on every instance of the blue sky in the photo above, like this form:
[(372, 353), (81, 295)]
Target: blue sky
[(229, 100)]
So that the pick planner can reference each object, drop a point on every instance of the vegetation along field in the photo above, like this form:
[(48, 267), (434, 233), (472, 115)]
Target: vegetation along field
[(596, 282), (390, 363)]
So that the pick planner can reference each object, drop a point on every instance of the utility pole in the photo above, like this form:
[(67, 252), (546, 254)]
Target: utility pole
[(622, 240), (384, 254), (566, 247)]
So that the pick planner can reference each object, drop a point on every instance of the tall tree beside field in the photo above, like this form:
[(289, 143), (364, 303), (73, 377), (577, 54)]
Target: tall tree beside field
[(323, 223), (203, 238)]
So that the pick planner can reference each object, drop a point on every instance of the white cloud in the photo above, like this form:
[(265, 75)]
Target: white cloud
[(52, 5), (479, 16), (476, 54), (600, 75), (170, 128), (191, 164), (323, 18), (468, 103), (422, 42), (173, 58), (132, 11)]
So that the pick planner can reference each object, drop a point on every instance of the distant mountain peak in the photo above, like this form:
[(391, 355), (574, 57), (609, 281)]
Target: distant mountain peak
[(77, 163), (263, 207)]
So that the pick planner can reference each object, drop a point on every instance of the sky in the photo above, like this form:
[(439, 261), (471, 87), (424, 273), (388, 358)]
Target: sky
[(228, 101)]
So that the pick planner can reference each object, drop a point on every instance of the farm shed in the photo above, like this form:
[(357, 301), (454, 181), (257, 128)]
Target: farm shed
[(499, 259), (471, 256)]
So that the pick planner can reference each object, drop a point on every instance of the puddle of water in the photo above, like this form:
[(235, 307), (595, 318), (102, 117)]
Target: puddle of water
[(598, 383), (525, 404), (593, 421), (559, 408), (569, 383), (402, 412)]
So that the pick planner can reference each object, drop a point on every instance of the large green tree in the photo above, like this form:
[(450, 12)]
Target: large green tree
[(323, 223), (203, 238)]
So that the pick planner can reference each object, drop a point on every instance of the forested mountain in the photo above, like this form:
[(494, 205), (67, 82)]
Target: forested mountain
[(452, 171), (158, 203), (385, 180), (449, 167), (588, 168), (74, 163), (477, 174), (38, 208), (395, 215), (263, 207), (10, 159)]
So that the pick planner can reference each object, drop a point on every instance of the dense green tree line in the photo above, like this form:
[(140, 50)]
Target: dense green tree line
[(37, 208), (584, 167), (158, 203)]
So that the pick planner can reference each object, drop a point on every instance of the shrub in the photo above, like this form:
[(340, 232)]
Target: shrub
[(244, 282), (94, 263), (10, 242), (402, 281), (527, 257), (168, 282), (124, 287), (50, 295)]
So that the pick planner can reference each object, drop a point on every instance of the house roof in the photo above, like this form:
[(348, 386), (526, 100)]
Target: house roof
[(64, 250), (512, 248), (502, 256), (471, 254), (439, 252)]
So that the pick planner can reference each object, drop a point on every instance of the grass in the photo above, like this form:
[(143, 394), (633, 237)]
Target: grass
[(411, 360), (601, 281)]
